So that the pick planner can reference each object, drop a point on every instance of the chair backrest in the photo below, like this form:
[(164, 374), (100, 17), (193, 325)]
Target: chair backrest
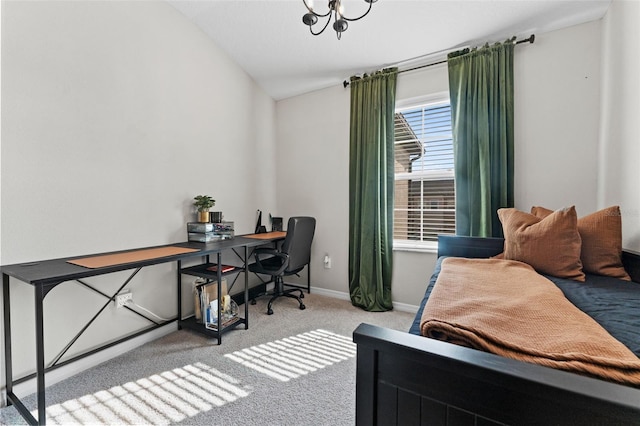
[(297, 243)]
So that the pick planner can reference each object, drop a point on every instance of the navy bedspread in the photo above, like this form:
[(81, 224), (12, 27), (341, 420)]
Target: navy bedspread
[(613, 303)]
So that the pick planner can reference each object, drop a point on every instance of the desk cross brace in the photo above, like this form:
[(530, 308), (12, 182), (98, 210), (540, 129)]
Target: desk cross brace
[(111, 299), (235, 278)]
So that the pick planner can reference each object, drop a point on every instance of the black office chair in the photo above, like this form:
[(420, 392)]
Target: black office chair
[(293, 255)]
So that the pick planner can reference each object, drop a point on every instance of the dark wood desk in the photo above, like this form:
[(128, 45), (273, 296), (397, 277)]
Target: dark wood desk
[(47, 274)]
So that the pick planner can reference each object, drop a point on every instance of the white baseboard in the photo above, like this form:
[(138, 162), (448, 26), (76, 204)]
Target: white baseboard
[(405, 307), (331, 293), (402, 307), (28, 387)]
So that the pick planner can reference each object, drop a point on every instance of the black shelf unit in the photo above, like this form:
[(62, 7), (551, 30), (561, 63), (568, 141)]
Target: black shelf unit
[(202, 271)]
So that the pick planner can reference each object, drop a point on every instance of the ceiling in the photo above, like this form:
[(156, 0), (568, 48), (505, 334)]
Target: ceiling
[(270, 42)]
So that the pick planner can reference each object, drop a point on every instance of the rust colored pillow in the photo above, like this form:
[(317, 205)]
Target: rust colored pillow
[(550, 245), (601, 234)]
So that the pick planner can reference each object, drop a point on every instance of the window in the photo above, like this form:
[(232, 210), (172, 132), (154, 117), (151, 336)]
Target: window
[(424, 178)]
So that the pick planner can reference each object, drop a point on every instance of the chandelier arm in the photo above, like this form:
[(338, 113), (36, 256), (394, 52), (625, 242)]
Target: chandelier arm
[(323, 28), (355, 19), (316, 13)]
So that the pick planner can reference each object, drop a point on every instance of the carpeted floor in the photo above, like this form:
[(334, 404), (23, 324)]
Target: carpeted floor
[(291, 368)]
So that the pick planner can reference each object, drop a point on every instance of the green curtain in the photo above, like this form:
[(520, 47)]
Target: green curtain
[(371, 188), (481, 91)]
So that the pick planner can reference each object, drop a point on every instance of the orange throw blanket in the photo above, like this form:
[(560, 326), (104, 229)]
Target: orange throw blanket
[(505, 307)]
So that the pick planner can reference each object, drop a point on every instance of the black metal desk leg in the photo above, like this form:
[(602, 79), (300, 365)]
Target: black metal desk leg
[(179, 294), (219, 262), (42, 407), (246, 289), (8, 367), (12, 399)]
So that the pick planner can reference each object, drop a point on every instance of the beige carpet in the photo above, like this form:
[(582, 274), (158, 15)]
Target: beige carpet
[(291, 368)]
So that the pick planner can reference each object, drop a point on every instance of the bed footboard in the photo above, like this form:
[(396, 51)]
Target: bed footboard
[(403, 379)]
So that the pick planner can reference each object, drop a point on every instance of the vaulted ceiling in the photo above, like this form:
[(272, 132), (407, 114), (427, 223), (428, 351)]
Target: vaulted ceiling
[(270, 42)]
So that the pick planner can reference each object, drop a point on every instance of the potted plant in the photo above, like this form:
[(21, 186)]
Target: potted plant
[(203, 203)]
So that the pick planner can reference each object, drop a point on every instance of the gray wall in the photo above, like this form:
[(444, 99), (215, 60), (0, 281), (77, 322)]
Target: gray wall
[(557, 107), (114, 116), (619, 152)]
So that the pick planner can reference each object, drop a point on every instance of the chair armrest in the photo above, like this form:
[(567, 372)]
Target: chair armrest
[(271, 252)]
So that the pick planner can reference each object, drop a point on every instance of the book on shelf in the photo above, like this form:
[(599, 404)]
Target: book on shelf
[(213, 324), (223, 268)]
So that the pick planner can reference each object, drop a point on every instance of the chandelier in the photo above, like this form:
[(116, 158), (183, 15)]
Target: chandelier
[(336, 10)]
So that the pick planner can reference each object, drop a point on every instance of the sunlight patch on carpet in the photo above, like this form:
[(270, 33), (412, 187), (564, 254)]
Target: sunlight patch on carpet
[(161, 399), (295, 356)]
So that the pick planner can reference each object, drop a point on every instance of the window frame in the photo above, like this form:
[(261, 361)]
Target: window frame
[(431, 100)]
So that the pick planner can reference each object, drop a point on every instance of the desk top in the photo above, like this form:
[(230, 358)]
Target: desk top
[(119, 258), (274, 235), (55, 271)]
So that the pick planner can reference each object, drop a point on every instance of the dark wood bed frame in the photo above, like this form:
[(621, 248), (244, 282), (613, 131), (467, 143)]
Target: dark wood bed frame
[(404, 379)]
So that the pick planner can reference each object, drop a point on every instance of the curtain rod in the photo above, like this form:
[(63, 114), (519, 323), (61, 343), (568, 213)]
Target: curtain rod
[(530, 39)]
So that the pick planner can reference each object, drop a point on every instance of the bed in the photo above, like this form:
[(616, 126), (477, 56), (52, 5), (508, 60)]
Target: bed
[(405, 379)]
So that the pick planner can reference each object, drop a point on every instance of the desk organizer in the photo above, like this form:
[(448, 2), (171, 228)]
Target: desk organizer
[(207, 232)]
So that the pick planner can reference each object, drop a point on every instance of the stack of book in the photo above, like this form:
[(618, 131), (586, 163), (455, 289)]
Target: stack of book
[(204, 232), (229, 314)]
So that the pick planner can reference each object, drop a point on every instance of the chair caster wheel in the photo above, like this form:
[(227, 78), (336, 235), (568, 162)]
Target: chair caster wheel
[(270, 312), (302, 307), (253, 301)]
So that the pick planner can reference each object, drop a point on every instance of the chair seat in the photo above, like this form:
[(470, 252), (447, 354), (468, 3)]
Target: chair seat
[(266, 266)]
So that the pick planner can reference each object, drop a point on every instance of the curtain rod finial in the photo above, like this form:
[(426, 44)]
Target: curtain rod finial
[(345, 83), (531, 39)]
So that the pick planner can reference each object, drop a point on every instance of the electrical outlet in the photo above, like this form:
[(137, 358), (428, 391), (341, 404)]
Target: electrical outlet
[(327, 261), (123, 298)]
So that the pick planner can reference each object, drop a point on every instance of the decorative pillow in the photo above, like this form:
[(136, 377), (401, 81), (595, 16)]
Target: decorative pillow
[(550, 245), (601, 234)]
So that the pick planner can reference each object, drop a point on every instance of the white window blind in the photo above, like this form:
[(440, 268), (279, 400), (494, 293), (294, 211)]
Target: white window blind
[(424, 178)]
